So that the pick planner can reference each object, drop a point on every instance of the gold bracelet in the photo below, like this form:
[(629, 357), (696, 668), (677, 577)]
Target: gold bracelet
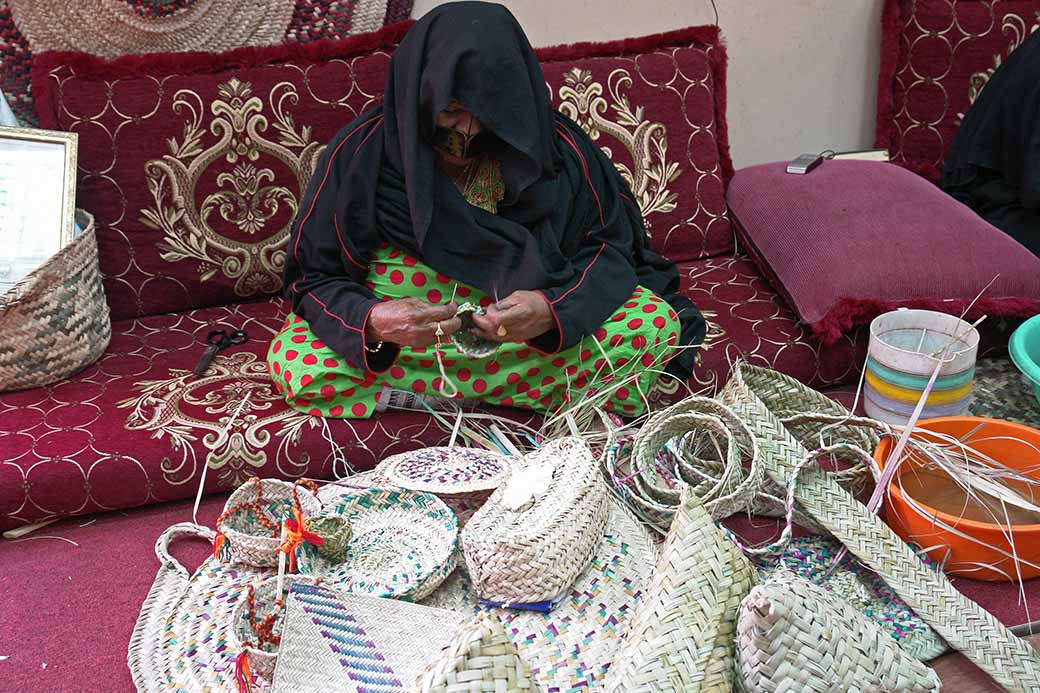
[(373, 350)]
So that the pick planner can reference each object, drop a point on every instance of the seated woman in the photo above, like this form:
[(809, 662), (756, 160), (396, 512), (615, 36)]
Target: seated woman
[(994, 162), (466, 186)]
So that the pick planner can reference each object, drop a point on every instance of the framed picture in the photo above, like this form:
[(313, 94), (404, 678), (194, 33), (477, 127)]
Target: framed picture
[(37, 199)]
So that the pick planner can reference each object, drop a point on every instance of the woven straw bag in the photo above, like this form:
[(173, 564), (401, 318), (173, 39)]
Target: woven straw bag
[(784, 417), (249, 529), (480, 658), (793, 636), (681, 635), (534, 552), (262, 657), (55, 322)]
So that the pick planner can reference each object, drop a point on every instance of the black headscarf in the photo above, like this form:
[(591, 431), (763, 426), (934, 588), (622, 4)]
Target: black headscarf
[(568, 225)]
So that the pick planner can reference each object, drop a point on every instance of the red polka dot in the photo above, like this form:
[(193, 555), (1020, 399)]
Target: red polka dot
[(331, 363), (621, 393), (397, 372), (296, 319), (672, 315), (635, 324), (397, 277), (617, 317), (647, 360), (384, 246), (306, 380), (485, 302), (559, 361), (359, 409), (291, 354), (434, 296), (336, 410), (660, 322), (599, 364), (406, 358), (448, 362), (581, 382), (409, 261), (330, 376), (425, 363), (548, 380), (419, 279), (507, 402), (418, 350), (381, 268), (371, 285), (314, 412), (546, 401), (672, 339), (600, 334), (639, 341), (328, 392), (277, 368), (620, 362), (418, 386), (497, 391), (492, 367), (513, 378), (532, 372), (586, 355), (464, 374), (649, 308), (464, 292), (479, 385), (523, 353), (395, 253), (617, 340), (442, 279), (570, 370), (310, 359), (522, 387), (631, 304), (300, 402), (317, 344), (287, 375), (629, 407), (349, 392), (535, 393), (299, 339), (436, 384), (277, 347)]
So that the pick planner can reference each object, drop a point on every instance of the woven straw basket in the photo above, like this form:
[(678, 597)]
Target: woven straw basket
[(681, 635), (793, 636), (248, 540), (55, 322), (262, 659), (785, 418), (480, 657), (532, 554)]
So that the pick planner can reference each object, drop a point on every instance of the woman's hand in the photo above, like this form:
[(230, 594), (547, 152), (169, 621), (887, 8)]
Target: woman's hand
[(411, 322), (519, 317)]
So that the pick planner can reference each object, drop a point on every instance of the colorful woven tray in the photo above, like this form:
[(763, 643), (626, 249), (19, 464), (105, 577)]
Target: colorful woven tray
[(352, 644), (404, 544), (446, 470)]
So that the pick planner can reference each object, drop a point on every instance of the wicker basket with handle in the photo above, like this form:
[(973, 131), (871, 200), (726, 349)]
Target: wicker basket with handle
[(55, 321)]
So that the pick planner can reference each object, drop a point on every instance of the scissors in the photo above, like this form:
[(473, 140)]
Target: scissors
[(216, 341)]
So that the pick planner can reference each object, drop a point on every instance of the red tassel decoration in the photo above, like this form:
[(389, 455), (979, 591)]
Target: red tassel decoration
[(243, 675)]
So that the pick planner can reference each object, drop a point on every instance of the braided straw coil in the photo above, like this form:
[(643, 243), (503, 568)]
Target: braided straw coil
[(793, 636), (681, 635), (761, 397), (479, 659), (534, 553), (55, 321)]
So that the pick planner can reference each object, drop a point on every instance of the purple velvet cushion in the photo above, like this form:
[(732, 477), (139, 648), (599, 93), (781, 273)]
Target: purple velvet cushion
[(854, 239)]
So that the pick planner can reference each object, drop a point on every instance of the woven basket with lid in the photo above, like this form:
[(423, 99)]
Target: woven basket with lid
[(55, 321), (534, 551)]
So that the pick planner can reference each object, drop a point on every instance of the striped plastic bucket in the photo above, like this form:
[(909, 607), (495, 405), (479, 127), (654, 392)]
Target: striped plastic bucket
[(905, 346)]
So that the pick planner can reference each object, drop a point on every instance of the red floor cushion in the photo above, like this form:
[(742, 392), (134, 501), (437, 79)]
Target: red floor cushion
[(193, 165), (936, 56), (136, 427)]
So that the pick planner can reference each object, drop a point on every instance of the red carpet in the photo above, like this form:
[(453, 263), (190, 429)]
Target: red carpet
[(69, 610)]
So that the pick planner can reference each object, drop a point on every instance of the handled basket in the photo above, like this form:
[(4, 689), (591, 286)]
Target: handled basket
[(249, 529), (55, 321)]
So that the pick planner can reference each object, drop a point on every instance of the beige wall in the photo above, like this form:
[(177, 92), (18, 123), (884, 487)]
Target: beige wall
[(802, 73)]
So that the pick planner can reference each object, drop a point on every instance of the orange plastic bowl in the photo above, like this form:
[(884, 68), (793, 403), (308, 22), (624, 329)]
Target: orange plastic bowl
[(961, 555)]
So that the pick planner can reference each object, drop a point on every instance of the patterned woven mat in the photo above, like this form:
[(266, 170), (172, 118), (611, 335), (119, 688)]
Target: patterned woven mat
[(116, 27), (1001, 392)]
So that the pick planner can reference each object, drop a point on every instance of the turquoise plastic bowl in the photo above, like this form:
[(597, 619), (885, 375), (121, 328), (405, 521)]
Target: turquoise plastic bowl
[(1025, 351)]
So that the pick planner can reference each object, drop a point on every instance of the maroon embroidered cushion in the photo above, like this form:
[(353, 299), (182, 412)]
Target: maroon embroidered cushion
[(193, 164), (854, 239), (936, 56)]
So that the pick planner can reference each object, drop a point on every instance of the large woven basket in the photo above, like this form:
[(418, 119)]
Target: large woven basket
[(55, 322), (480, 657), (795, 636), (533, 554), (785, 418)]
